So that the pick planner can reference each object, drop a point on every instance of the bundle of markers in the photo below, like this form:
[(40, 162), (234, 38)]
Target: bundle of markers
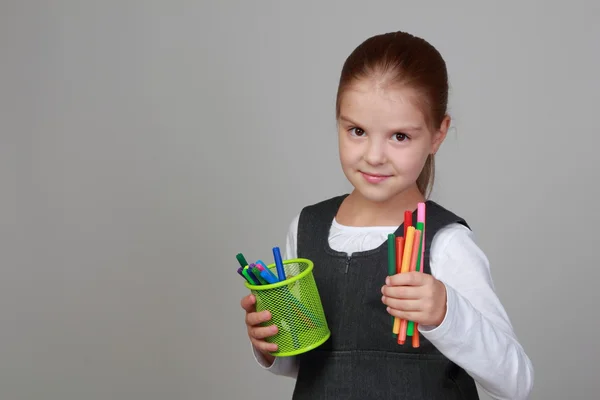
[(405, 254), (258, 273)]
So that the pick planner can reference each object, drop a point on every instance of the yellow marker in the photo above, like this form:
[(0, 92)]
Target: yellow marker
[(406, 255), (394, 265), (396, 327), (408, 246)]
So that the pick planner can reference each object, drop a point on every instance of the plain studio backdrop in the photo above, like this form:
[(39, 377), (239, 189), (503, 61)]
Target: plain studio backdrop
[(144, 144)]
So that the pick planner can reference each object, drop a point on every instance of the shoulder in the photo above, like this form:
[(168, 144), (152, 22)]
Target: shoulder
[(454, 252), (452, 232), (293, 227), (317, 214), (310, 217), (451, 236), (315, 210), (438, 216)]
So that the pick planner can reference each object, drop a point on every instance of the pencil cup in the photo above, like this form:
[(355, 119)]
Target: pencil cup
[(295, 307)]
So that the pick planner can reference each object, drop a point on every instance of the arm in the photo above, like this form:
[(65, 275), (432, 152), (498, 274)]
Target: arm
[(476, 332), (283, 366)]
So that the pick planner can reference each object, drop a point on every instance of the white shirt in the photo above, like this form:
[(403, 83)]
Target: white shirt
[(476, 332)]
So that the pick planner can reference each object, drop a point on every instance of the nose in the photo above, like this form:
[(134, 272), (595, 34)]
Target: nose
[(375, 154)]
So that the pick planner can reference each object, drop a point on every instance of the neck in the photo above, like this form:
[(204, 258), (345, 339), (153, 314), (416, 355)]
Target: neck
[(356, 210)]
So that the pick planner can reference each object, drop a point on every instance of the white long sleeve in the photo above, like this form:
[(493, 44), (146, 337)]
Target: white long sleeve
[(476, 332), (283, 366)]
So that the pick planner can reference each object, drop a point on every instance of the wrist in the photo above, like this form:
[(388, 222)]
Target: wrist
[(268, 357), (442, 304), (263, 358)]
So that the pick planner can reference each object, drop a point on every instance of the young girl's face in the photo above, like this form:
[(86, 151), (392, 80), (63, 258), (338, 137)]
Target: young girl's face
[(384, 139)]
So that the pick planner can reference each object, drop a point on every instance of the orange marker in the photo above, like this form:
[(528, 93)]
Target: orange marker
[(415, 251), (406, 258), (399, 253), (413, 267), (415, 337)]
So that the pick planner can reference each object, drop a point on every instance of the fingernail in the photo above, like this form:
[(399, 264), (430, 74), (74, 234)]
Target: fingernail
[(387, 280)]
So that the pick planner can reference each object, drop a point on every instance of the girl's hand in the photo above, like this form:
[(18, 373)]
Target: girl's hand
[(258, 333), (415, 296)]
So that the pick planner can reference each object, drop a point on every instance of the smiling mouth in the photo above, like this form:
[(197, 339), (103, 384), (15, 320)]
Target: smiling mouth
[(374, 178), (375, 175)]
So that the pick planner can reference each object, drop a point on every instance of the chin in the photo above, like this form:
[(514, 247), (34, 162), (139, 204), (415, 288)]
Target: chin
[(375, 194)]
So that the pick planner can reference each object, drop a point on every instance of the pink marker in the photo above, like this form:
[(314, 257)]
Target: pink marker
[(421, 218), (416, 341)]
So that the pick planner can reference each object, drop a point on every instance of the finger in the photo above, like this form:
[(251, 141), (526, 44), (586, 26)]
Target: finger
[(263, 332), (402, 305), (263, 346), (408, 279), (248, 303), (255, 318), (401, 292), (407, 315)]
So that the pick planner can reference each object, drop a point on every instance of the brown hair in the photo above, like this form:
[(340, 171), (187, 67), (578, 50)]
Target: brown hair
[(402, 59)]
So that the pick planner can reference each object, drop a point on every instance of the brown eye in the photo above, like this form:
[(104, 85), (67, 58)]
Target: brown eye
[(401, 137), (357, 131)]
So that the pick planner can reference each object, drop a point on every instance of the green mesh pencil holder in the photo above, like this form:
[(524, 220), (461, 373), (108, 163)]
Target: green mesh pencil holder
[(295, 307)]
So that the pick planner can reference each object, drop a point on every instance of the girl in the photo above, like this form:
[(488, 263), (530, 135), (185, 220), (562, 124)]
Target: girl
[(392, 119)]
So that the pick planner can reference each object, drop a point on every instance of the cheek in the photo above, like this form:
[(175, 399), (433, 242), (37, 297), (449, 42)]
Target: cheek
[(346, 157), (349, 153), (410, 162)]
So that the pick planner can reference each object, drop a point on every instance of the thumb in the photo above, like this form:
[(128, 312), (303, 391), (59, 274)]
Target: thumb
[(248, 303)]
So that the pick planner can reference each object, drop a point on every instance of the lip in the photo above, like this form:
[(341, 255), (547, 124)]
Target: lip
[(374, 178)]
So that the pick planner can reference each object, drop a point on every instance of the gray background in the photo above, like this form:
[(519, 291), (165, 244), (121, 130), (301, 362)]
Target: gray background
[(143, 144)]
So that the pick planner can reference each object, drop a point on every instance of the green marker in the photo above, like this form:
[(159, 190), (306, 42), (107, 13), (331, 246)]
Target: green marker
[(392, 262), (410, 328), (256, 273), (391, 254), (249, 278), (241, 260)]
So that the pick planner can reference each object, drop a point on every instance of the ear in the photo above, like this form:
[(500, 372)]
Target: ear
[(440, 134)]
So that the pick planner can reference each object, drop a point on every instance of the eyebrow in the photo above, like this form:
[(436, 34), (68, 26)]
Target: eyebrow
[(348, 120), (412, 128)]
